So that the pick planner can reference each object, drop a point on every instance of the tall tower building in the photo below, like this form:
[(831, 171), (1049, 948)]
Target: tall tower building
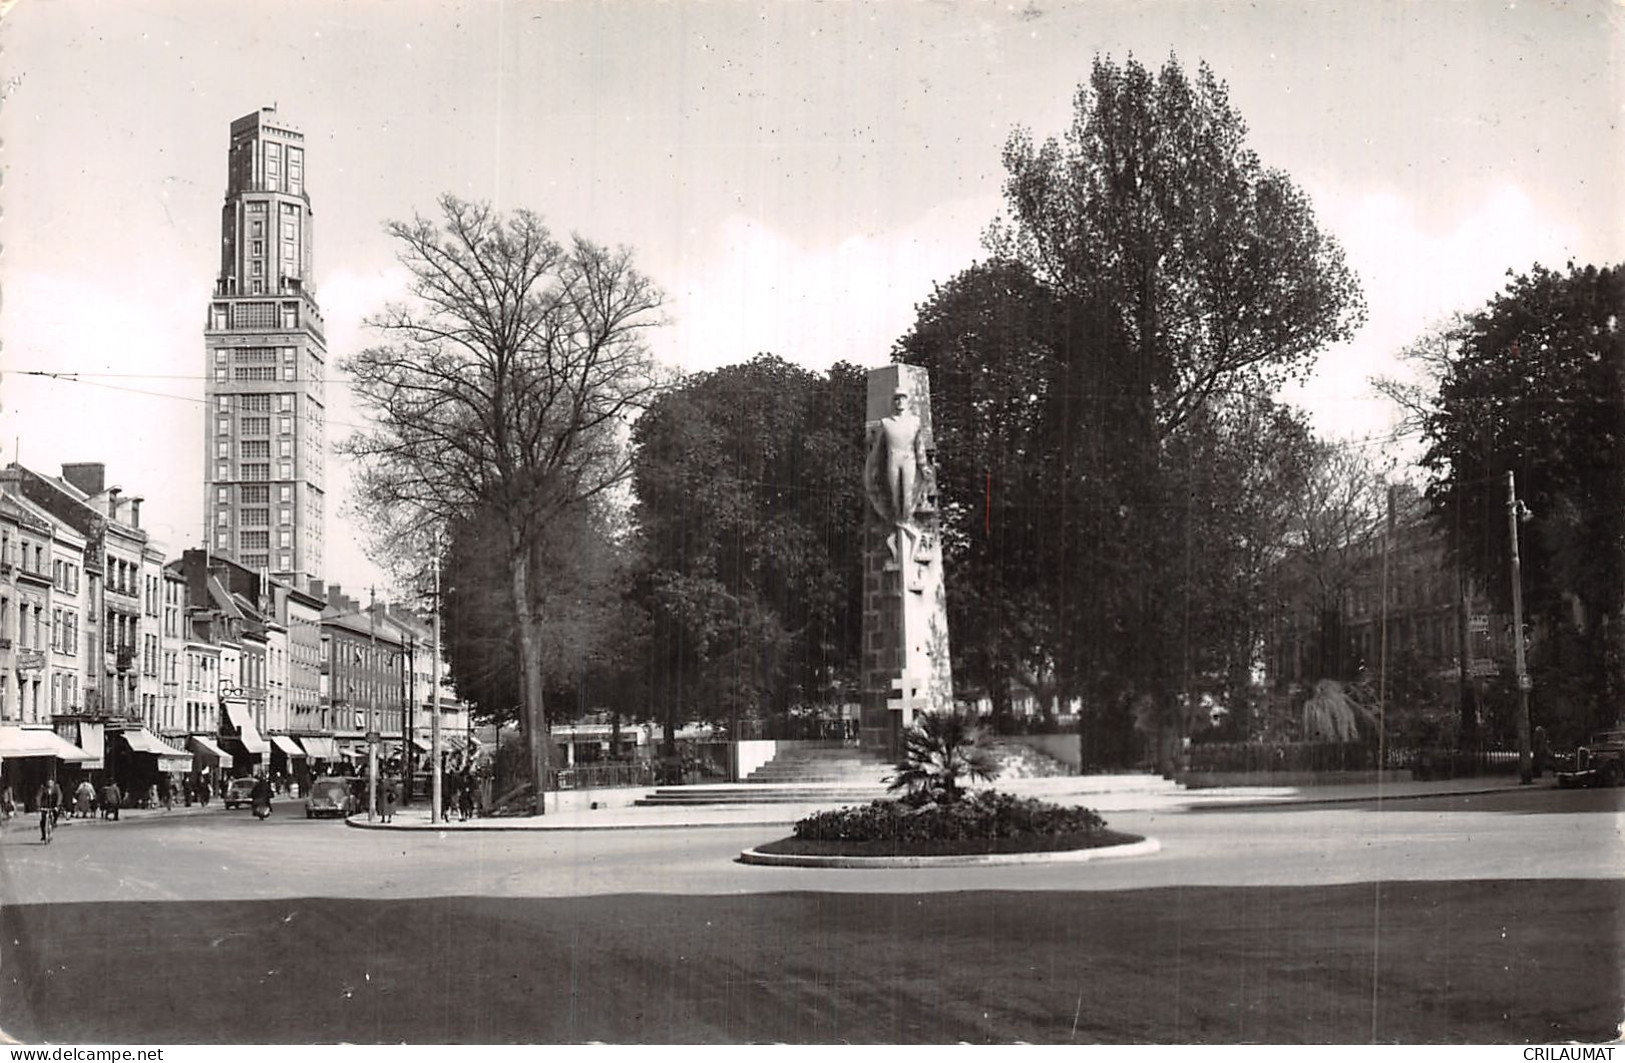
[(265, 426)]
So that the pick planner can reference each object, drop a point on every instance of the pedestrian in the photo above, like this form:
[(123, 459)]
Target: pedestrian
[(84, 795), (111, 796), (8, 805), (465, 800), (165, 793), (47, 800)]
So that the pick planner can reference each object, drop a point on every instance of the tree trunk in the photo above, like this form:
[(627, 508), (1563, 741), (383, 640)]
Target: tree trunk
[(531, 680)]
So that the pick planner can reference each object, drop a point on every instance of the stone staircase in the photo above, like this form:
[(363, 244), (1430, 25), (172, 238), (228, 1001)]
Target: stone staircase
[(801, 774), (799, 764)]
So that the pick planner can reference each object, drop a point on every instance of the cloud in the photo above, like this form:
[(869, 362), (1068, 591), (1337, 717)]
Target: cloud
[(1414, 274), (758, 289)]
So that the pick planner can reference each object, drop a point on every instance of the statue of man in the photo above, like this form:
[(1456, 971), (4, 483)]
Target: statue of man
[(899, 455)]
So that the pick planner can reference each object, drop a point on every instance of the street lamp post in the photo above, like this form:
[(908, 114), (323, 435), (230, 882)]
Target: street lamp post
[(372, 707), (1515, 512), (434, 695)]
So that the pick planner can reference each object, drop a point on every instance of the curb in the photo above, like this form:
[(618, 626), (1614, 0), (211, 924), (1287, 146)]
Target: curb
[(1350, 799), (528, 824), (1143, 847)]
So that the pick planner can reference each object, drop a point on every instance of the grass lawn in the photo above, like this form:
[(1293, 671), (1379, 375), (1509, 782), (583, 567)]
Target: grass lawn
[(1416, 962)]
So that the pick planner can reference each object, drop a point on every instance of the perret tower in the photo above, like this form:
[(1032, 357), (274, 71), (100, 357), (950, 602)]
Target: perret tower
[(265, 422)]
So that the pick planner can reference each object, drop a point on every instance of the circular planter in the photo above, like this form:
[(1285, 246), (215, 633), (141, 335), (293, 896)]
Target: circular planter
[(1140, 847)]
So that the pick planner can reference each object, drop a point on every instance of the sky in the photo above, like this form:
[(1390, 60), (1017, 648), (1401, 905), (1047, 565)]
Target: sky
[(794, 176)]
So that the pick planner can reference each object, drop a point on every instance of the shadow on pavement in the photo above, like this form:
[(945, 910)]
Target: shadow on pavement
[(1454, 962)]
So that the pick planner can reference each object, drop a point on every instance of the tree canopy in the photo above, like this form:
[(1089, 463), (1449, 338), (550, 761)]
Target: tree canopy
[(748, 512), (1105, 380), (1536, 387)]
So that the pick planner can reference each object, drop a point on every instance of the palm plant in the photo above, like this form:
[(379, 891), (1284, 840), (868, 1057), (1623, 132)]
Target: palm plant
[(939, 750)]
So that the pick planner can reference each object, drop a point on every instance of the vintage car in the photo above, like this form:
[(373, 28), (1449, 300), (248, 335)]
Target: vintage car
[(329, 796), (240, 793), (1600, 762)]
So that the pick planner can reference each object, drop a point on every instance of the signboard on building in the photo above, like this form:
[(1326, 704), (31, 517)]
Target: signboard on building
[(1482, 668), (1478, 622)]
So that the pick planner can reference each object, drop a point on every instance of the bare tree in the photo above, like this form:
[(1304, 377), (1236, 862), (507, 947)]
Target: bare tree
[(1427, 363), (503, 388)]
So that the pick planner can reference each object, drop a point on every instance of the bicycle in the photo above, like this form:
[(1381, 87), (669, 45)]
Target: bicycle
[(47, 825)]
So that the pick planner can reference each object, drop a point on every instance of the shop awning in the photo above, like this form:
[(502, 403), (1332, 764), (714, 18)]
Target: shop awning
[(144, 741), (247, 733), (422, 746), (287, 745), (19, 742), (204, 747), (320, 747), (92, 738)]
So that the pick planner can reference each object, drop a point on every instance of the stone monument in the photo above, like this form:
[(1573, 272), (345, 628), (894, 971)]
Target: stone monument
[(905, 667)]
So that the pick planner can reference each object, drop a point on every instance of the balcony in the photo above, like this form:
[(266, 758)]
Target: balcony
[(126, 658), (34, 575)]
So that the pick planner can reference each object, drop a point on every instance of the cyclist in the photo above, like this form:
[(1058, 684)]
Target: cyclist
[(48, 799)]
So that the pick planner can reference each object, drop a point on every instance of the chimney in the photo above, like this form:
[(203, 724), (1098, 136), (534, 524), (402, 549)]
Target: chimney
[(88, 476), (112, 503), (135, 512)]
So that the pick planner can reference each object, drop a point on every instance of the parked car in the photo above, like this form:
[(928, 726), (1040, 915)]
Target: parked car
[(239, 793), (1600, 762), (329, 796)]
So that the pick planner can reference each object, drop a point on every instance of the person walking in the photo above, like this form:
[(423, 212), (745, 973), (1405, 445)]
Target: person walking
[(390, 797), (8, 804), (83, 797), (166, 793), (465, 799), (111, 796)]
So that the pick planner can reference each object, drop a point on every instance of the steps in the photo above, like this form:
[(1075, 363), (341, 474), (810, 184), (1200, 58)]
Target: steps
[(798, 774), (758, 794), (796, 765)]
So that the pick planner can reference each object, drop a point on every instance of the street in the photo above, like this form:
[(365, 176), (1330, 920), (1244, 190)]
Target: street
[(320, 932)]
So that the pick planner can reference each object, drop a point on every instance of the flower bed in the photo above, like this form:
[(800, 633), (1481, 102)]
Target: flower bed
[(983, 822)]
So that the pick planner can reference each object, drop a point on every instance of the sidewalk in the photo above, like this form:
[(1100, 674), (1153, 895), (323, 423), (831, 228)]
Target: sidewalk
[(1155, 796), (30, 820)]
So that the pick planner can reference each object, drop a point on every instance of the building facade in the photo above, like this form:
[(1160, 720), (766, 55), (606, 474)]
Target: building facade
[(265, 422)]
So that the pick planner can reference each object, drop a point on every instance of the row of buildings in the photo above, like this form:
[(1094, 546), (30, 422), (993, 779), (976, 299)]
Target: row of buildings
[(128, 664), (234, 657)]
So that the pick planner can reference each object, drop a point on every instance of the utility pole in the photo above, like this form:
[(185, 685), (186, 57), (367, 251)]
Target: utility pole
[(1515, 512), (409, 745), (434, 694), (372, 707)]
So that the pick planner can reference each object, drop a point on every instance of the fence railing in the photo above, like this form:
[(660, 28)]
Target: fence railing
[(1267, 757), (603, 776)]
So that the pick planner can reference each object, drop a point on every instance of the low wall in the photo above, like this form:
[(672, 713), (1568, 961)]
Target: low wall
[(751, 754), (1199, 780), (581, 800), (1065, 748)]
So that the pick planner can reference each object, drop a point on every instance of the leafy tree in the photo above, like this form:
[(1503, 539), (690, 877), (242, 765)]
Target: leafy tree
[(582, 582), (1181, 270), (1198, 261), (503, 389), (988, 338), (1536, 387), (748, 508), (939, 750)]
